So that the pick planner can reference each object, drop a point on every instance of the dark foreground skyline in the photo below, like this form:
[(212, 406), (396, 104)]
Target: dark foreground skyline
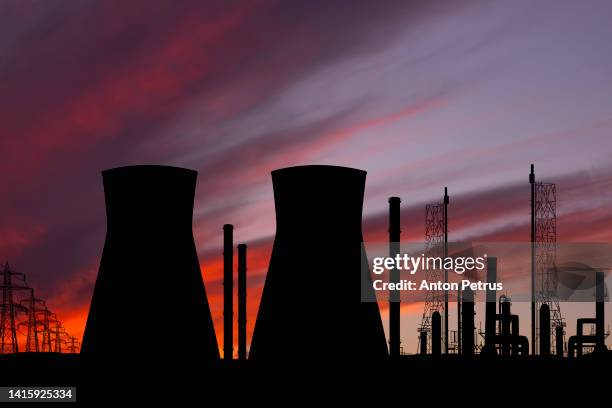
[(419, 95)]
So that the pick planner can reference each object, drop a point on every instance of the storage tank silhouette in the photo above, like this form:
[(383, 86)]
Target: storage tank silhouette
[(310, 308), (149, 287)]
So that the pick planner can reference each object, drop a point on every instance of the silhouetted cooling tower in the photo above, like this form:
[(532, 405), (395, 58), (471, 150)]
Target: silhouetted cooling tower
[(467, 316), (310, 307), (436, 333), (228, 292), (394, 296), (149, 285), (544, 330), (242, 301)]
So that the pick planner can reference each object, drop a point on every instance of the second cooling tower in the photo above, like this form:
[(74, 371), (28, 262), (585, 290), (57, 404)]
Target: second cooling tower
[(310, 308)]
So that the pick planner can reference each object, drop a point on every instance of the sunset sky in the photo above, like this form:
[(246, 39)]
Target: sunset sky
[(464, 94)]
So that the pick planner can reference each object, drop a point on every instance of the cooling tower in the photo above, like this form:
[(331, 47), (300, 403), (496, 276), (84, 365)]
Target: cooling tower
[(310, 308), (149, 308)]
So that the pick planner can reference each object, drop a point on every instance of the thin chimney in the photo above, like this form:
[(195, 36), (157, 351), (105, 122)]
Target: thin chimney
[(490, 312), (600, 291), (242, 301), (394, 298), (228, 291)]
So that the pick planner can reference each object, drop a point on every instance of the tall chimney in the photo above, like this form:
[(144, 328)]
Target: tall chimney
[(228, 291), (242, 304), (504, 305), (446, 201), (532, 182), (394, 296), (491, 302)]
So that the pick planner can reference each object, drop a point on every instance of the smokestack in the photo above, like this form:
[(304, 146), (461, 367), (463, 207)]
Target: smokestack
[(242, 305), (436, 333), (228, 292), (544, 330), (423, 340), (533, 262), (446, 201), (490, 311), (504, 305), (394, 296), (467, 313), (559, 341), (599, 311)]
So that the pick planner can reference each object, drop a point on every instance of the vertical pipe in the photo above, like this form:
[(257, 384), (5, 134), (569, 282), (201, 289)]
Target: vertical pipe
[(436, 333), (467, 314), (242, 301), (599, 311), (505, 324), (490, 311), (514, 325), (228, 291), (559, 341), (544, 330), (423, 342), (514, 331), (445, 270), (394, 299), (533, 271), (579, 343), (459, 321)]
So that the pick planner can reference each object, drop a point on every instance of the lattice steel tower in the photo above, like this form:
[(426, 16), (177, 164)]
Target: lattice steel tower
[(544, 231), (57, 333), (9, 309), (46, 344), (435, 301), (34, 307), (73, 345)]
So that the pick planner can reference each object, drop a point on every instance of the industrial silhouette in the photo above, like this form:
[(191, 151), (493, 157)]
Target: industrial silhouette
[(502, 328), (436, 240), (543, 243), (150, 284), (317, 256), (576, 343), (228, 293), (150, 267), (506, 341)]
